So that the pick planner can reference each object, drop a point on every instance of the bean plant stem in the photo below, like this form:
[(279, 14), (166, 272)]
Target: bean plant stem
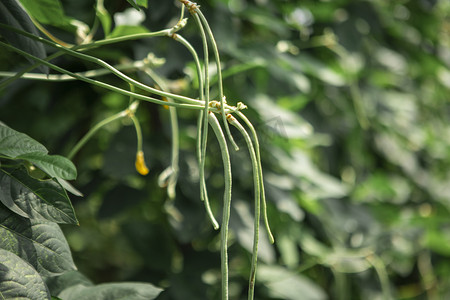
[(80, 47), (93, 130), (91, 73), (175, 136), (215, 125), (380, 268), (111, 68), (102, 84)]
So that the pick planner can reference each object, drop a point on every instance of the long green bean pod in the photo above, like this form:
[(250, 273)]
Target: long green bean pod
[(258, 156), (215, 125), (257, 191)]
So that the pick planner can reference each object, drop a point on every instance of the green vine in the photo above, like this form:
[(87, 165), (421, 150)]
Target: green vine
[(206, 107)]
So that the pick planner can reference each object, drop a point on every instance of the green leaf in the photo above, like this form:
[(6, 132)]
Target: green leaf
[(40, 243), (37, 199), (56, 284), (18, 280), (12, 14), (284, 284), (54, 165), (14, 143), (123, 290), (242, 221), (68, 187), (438, 241), (137, 3), (134, 4), (142, 3), (124, 30), (346, 261), (47, 12)]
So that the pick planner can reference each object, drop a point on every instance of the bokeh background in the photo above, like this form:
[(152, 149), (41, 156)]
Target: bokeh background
[(351, 102)]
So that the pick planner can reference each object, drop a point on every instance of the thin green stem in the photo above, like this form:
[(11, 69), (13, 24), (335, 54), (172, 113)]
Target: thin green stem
[(258, 156), (111, 68), (427, 275), (125, 38), (342, 289), (226, 201), (19, 74), (380, 268), (257, 191), (219, 74), (99, 43), (137, 126), (93, 130), (172, 181), (102, 84), (91, 73)]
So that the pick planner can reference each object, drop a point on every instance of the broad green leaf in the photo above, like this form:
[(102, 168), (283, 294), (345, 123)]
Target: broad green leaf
[(40, 200), (142, 3), (40, 243), (106, 291), (242, 223), (134, 4), (346, 261), (137, 3), (124, 30), (14, 143), (284, 284), (47, 12), (18, 279), (53, 165), (56, 284), (438, 241), (12, 14), (68, 187)]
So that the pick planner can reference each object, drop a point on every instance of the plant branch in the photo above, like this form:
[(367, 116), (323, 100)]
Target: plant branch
[(200, 104)]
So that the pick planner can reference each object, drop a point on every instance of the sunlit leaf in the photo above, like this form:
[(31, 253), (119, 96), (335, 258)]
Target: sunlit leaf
[(40, 243), (19, 280), (106, 291), (284, 284), (137, 3), (53, 165), (347, 262), (14, 143), (242, 223), (47, 11)]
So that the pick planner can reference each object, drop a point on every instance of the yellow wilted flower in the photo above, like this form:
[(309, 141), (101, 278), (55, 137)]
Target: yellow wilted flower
[(140, 163)]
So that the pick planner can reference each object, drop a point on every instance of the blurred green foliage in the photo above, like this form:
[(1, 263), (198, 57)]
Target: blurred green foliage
[(350, 99)]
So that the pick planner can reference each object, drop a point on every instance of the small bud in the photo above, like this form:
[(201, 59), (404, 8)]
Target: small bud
[(140, 163)]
